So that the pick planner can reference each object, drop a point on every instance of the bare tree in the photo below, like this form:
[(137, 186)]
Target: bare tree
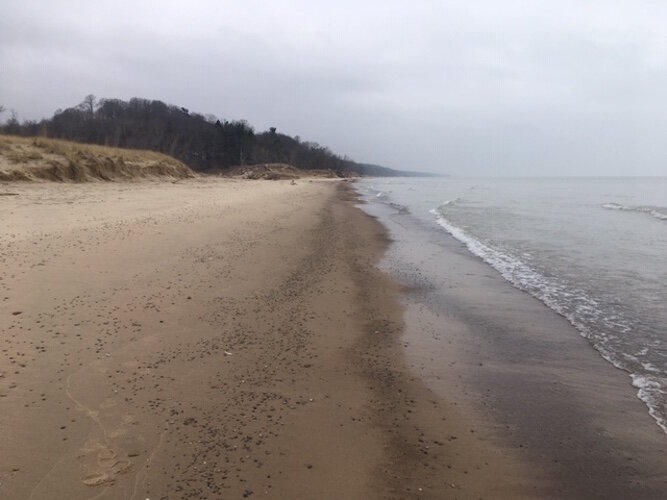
[(88, 104), (12, 126)]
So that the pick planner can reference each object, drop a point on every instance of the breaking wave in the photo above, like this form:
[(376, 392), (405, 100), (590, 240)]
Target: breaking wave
[(656, 212)]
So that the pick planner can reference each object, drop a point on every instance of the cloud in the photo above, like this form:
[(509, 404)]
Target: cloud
[(485, 88)]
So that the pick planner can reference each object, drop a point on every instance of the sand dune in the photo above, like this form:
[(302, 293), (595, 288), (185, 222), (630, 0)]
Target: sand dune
[(37, 158)]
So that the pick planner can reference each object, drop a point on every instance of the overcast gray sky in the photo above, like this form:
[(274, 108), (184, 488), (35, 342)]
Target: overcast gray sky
[(465, 87)]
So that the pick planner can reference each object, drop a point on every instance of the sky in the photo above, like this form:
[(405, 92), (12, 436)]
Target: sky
[(468, 88)]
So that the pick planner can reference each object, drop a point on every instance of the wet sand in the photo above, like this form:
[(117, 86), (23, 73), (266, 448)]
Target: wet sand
[(209, 339)]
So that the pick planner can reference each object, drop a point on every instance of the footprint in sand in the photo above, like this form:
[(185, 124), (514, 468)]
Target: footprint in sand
[(106, 466), (108, 403)]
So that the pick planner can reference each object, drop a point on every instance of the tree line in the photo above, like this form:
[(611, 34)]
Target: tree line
[(203, 142)]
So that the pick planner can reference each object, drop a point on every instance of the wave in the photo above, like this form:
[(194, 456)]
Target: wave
[(656, 212), (449, 203), (372, 190), (401, 209), (383, 197), (576, 306)]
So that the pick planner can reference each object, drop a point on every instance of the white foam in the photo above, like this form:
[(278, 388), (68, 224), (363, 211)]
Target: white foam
[(658, 215), (448, 203), (656, 212), (649, 390), (615, 206), (650, 367)]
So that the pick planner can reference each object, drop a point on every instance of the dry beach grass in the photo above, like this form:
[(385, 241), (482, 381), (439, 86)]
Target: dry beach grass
[(39, 158)]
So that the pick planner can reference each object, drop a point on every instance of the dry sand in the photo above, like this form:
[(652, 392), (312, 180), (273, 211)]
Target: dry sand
[(214, 338)]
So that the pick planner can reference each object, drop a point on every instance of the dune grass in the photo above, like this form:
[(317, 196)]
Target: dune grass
[(35, 158)]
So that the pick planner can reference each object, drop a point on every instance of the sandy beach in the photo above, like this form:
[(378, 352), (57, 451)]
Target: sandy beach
[(222, 338), (206, 339)]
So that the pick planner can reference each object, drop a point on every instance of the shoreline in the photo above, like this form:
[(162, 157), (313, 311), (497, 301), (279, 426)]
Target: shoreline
[(528, 383)]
